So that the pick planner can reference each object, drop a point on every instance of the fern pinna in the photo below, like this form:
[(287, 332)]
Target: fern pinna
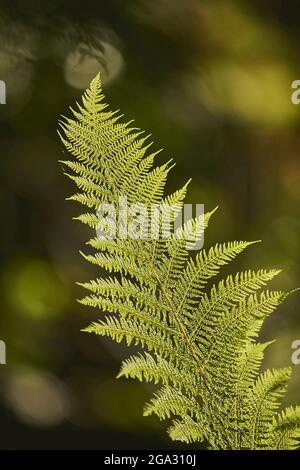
[(198, 346)]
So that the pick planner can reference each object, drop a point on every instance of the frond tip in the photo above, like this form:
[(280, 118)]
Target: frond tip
[(198, 338)]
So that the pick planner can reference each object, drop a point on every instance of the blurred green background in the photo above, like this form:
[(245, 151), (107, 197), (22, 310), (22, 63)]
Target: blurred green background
[(211, 80)]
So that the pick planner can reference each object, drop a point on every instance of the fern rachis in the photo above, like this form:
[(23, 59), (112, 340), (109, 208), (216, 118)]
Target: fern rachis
[(199, 345)]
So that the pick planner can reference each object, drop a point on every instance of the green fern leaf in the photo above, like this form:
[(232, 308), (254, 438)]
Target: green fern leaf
[(199, 344)]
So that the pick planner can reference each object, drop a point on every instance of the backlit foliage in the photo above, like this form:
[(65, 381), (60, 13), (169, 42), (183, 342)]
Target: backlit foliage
[(199, 341)]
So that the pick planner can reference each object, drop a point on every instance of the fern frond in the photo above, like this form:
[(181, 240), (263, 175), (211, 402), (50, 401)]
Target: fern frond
[(189, 287), (119, 264), (199, 344), (285, 429), (186, 430), (230, 292), (146, 367), (263, 401), (173, 264), (134, 333), (168, 401)]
